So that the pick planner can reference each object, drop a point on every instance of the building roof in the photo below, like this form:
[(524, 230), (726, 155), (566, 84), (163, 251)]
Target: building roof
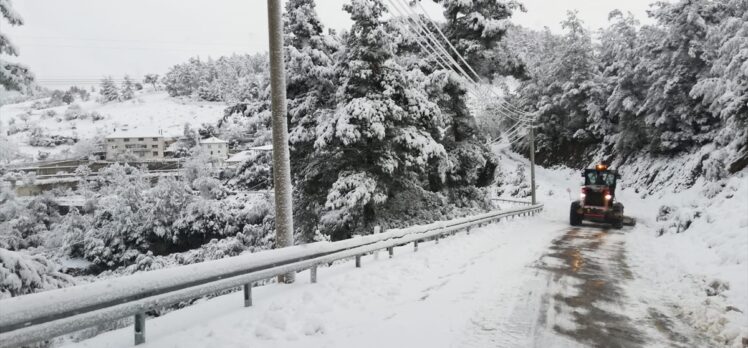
[(135, 133), (213, 140), (239, 157), (268, 147)]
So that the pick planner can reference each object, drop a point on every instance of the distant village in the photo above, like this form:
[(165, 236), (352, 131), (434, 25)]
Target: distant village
[(161, 154)]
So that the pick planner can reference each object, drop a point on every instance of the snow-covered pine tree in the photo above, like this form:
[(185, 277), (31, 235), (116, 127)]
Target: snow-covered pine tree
[(127, 91), (724, 90), (108, 90), (13, 76), (381, 135), (620, 53), (565, 93), (310, 91), (476, 29), (676, 63)]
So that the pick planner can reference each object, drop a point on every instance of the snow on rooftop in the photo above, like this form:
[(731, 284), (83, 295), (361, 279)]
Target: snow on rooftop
[(239, 157), (213, 140), (136, 133), (268, 147)]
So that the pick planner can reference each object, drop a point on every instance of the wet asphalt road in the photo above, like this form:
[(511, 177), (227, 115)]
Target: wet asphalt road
[(586, 299)]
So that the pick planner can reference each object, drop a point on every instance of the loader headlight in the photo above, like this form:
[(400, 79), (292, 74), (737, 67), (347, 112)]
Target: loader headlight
[(608, 197), (582, 195)]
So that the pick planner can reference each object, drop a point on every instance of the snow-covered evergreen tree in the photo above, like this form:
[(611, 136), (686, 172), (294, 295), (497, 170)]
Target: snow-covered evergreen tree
[(127, 91), (13, 76), (381, 134), (675, 64), (476, 29), (109, 90), (625, 84), (724, 90)]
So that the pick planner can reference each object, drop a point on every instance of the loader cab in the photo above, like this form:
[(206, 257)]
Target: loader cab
[(601, 176)]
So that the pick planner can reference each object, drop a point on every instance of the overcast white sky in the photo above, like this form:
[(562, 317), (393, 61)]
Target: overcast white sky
[(75, 41)]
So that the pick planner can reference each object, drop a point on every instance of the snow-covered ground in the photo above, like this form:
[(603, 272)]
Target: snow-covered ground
[(524, 282), (149, 110)]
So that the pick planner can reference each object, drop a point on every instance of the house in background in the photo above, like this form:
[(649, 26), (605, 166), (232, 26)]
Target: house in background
[(142, 144), (217, 149)]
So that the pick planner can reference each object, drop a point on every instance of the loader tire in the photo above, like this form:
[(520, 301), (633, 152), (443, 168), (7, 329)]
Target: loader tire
[(575, 219)]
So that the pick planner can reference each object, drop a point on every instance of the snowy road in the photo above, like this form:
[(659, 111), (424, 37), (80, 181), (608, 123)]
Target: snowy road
[(528, 282), (520, 283)]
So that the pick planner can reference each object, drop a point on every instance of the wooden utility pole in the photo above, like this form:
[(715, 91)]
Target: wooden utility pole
[(281, 157), (532, 161)]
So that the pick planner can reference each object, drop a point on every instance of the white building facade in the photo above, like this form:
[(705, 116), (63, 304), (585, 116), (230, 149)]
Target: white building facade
[(135, 144), (216, 149)]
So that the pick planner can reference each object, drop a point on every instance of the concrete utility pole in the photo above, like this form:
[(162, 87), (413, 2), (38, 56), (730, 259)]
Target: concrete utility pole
[(281, 161), (532, 161)]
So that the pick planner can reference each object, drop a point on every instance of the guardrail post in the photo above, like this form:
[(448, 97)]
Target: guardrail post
[(247, 295), (377, 230), (358, 261), (436, 239), (415, 245), (467, 230), (313, 274), (391, 251), (139, 328)]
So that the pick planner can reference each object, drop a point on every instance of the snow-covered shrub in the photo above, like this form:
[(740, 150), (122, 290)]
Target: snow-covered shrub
[(672, 219), (256, 173), (37, 137), (23, 222), (96, 116), (21, 273), (73, 112), (71, 229), (86, 148), (49, 113)]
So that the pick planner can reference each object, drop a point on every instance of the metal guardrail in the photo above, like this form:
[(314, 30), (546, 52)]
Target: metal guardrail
[(511, 201), (41, 316)]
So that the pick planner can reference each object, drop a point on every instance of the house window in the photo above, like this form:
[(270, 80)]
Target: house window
[(127, 140), (155, 139), (114, 146), (211, 152), (155, 153), (110, 140), (154, 146), (140, 139)]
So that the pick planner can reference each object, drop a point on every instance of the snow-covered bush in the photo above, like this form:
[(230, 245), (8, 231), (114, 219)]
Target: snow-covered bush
[(71, 231), (21, 273), (96, 116), (73, 112), (24, 222), (39, 138), (256, 173)]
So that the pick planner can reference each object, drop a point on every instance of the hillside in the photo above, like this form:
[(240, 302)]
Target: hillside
[(149, 109)]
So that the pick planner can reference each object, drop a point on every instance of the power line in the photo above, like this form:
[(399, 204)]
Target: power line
[(478, 78), (462, 72)]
